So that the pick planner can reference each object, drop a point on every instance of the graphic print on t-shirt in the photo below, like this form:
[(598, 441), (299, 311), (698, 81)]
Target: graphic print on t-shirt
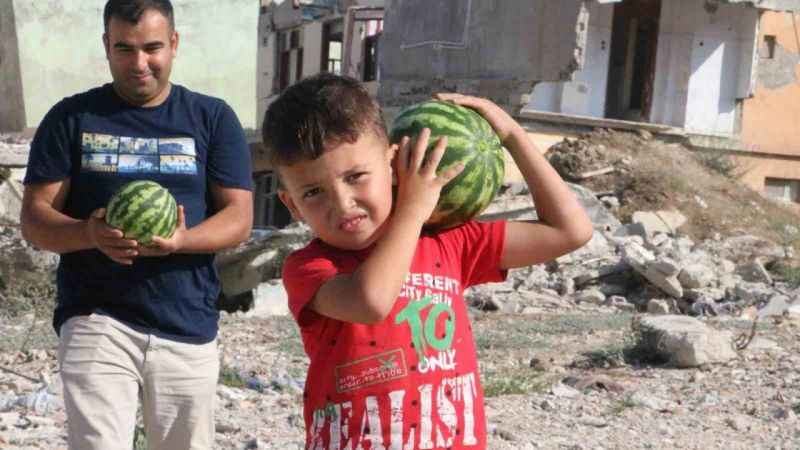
[(124, 154), (371, 370), (437, 407)]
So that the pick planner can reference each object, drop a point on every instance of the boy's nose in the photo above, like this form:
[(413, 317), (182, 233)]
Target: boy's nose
[(342, 199)]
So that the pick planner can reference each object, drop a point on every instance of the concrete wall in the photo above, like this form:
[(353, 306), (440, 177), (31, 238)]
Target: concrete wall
[(219, 44), (704, 62), (312, 48), (700, 51), (61, 51), (586, 94), (495, 49), (266, 66), (12, 108)]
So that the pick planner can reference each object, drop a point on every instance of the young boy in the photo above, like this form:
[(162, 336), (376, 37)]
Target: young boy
[(379, 299)]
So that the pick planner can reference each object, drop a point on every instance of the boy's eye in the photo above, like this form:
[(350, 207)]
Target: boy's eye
[(355, 176), (311, 192)]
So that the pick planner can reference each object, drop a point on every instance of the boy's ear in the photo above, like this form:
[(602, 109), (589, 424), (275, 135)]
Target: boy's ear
[(286, 199), (391, 154)]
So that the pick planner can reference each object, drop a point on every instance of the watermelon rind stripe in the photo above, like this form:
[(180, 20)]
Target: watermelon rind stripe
[(472, 141), (133, 192), (142, 209), (139, 205)]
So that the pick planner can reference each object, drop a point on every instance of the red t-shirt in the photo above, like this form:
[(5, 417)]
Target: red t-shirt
[(411, 381)]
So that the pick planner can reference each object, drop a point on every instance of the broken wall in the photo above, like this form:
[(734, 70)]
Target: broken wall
[(489, 48), (770, 117), (12, 109), (585, 95), (703, 64)]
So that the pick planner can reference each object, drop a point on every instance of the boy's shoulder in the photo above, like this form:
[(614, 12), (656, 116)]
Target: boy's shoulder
[(468, 231), (460, 236), (318, 254)]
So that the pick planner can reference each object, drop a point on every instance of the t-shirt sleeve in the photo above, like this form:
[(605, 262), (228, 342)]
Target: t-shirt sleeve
[(50, 157), (229, 155), (482, 248), (303, 274)]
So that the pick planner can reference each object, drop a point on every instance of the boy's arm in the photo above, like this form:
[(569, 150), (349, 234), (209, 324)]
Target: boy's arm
[(368, 294), (563, 225)]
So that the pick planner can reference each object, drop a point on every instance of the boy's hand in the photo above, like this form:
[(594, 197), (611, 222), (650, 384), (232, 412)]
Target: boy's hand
[(418, 184), (504, 125), (165, 246), (110, 241)]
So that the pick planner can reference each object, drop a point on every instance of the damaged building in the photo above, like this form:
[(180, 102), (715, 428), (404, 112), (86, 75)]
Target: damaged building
[(298, 38), (721, 74), (718, 74)]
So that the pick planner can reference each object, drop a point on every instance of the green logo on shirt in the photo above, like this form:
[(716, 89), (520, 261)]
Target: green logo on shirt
[(424, 335)]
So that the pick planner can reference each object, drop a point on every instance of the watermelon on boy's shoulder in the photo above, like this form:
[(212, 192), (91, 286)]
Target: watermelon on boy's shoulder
[(470, 141), (143, 209)]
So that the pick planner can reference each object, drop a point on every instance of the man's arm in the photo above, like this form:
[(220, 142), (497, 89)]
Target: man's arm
[(227, 227), (46, 227)]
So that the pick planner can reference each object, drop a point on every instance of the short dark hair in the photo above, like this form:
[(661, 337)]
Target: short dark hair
[(317, 113), (131, 10)]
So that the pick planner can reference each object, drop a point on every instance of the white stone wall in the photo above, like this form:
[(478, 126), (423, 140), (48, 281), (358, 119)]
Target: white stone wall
[(61, 51)]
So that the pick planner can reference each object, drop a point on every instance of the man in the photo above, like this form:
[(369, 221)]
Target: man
[(138, 322)]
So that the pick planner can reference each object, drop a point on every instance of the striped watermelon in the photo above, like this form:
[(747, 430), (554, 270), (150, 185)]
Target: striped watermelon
[(471, 141), (143, 209)]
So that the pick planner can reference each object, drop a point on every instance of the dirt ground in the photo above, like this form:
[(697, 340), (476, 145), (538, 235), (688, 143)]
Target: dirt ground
[(650, 175), (626, 403)]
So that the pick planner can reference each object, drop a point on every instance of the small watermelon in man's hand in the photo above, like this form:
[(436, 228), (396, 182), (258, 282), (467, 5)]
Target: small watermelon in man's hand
[(143, 209), (471, 141)]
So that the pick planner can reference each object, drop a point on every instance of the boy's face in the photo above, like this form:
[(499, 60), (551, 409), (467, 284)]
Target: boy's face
[(345, 195)]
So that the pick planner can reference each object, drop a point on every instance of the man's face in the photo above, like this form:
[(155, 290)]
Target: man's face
[(140, 57), (345, 195)]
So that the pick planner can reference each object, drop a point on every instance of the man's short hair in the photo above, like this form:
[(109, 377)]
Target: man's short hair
[(131, 10), (318, 113)]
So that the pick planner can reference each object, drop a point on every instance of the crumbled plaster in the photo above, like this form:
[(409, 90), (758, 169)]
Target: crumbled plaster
[(506, 93), (770, 5), (779, 71)]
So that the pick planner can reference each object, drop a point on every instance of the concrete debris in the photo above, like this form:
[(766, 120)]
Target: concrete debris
[(685, 341), (659, 221), (622, 267)]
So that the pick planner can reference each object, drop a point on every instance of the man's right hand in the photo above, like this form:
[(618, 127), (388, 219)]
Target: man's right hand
[(111, 241)]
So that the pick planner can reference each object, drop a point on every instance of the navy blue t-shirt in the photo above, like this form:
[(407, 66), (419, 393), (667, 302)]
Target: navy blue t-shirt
[(99, 143)]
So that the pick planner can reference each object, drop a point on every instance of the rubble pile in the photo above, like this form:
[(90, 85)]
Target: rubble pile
[(742, 392), (634, 269)]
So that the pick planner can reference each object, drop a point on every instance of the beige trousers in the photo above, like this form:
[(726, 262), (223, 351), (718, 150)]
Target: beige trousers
[(107, 367)]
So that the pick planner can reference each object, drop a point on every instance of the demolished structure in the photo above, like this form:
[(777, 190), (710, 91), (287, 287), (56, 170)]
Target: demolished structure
[(719, 73)]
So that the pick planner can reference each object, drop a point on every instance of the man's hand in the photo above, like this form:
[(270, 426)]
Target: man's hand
[(110, 241), (419, 186), (165, 246)]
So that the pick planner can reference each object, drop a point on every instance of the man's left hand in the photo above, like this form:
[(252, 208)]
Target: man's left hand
[(164, 246)]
